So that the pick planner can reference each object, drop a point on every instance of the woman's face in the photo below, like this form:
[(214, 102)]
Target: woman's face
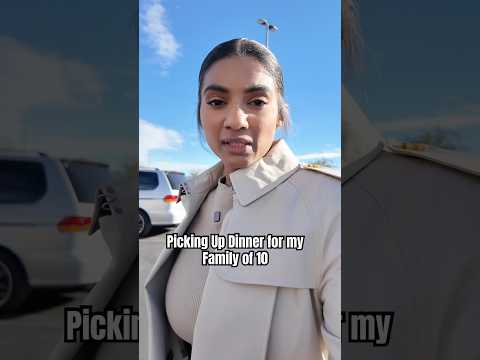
[(238, 111)]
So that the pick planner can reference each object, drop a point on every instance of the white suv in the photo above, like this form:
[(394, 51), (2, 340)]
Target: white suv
[(46, 206), (158, 194)]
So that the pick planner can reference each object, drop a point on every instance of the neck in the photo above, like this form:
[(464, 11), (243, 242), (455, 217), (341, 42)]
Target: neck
[(227, 179), (227, 170)]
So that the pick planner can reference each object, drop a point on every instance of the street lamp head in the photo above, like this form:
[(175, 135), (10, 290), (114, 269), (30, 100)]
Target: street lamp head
[(262, 22), (272, 28)]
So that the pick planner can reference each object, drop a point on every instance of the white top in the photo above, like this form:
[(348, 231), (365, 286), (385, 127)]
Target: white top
[(187, 278)]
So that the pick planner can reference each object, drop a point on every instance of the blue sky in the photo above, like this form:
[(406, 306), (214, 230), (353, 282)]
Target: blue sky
[(175, 36)]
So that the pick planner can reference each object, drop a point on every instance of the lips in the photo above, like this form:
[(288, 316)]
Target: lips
[(237, 140), (238, 145)]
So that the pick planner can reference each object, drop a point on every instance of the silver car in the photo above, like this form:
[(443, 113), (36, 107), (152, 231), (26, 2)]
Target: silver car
[(158, 194)]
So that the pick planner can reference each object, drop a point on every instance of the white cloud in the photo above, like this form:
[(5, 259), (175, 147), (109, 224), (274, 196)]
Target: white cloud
[(153, 137), (154, 25), (321, 155)]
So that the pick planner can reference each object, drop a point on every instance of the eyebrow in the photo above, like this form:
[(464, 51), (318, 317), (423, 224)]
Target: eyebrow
[(215, 87), (222, 89), (255, 88)]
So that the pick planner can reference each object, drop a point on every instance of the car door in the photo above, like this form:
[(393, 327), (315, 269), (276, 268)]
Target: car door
[(152, 189)]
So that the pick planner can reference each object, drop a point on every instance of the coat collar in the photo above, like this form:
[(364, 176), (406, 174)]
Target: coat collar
[(354, 167), (252, 182), (265, 174)]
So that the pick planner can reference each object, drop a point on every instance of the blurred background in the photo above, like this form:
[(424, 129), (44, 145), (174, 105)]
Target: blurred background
[(69, 100), (409, 225), (415, 72)]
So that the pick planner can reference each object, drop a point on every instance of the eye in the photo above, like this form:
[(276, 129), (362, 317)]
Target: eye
[(257, 103), (215, 103)]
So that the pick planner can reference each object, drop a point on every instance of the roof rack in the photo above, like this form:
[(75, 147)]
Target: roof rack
[(149, 168), (67, 161), (19, 152)]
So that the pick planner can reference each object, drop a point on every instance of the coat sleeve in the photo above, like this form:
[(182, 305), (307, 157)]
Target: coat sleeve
[(329, 291), (155, 317), (157, 331)]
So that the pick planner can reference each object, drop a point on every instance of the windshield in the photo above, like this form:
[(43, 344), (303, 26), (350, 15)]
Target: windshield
[(21, 181), (86, 178), (147, 180), (175, 179)]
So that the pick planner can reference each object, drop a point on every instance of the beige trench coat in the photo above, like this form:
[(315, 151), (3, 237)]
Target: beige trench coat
[(296, 296)]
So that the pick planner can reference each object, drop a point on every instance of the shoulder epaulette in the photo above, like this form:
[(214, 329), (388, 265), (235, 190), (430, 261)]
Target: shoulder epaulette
[(322, 169), (458, 160)]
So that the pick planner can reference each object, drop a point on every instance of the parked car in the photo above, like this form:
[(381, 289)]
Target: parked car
[(45, 213), (157, 194)]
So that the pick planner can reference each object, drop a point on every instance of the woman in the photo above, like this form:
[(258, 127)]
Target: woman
[(279, 311)]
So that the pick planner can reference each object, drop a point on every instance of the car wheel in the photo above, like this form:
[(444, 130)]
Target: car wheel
[(144, 224), (14, 287)]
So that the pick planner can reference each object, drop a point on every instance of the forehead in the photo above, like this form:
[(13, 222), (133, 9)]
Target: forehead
[(238, 73)]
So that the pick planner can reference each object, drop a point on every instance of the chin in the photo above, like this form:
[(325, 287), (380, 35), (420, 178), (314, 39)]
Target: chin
[(236, 164)]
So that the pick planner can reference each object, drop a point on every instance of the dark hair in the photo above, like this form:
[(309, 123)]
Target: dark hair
[(245, 47)]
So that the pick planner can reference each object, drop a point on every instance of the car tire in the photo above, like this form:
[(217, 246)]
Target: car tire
[(14, 287), (144, 224)]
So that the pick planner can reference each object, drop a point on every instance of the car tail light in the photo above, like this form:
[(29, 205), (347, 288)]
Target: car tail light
[(170, 198), (74, 224)]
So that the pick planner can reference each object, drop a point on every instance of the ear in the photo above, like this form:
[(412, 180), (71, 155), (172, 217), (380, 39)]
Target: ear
[(282, 113)]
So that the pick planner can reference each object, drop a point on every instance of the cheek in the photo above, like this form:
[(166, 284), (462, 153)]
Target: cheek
[(267, 125), (265, 136), (210, 124), (268, 133)]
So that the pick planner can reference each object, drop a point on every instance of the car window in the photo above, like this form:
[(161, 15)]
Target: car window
[(21, 181), (147, 180), (175, 179), (86, 178)]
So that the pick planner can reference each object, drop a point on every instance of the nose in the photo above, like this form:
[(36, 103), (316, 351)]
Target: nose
[(236, 119)]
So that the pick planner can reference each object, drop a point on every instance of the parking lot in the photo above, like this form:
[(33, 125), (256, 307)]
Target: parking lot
[(155, 239)]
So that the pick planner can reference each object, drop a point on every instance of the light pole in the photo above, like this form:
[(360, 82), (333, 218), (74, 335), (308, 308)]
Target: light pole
[(268, 28)]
